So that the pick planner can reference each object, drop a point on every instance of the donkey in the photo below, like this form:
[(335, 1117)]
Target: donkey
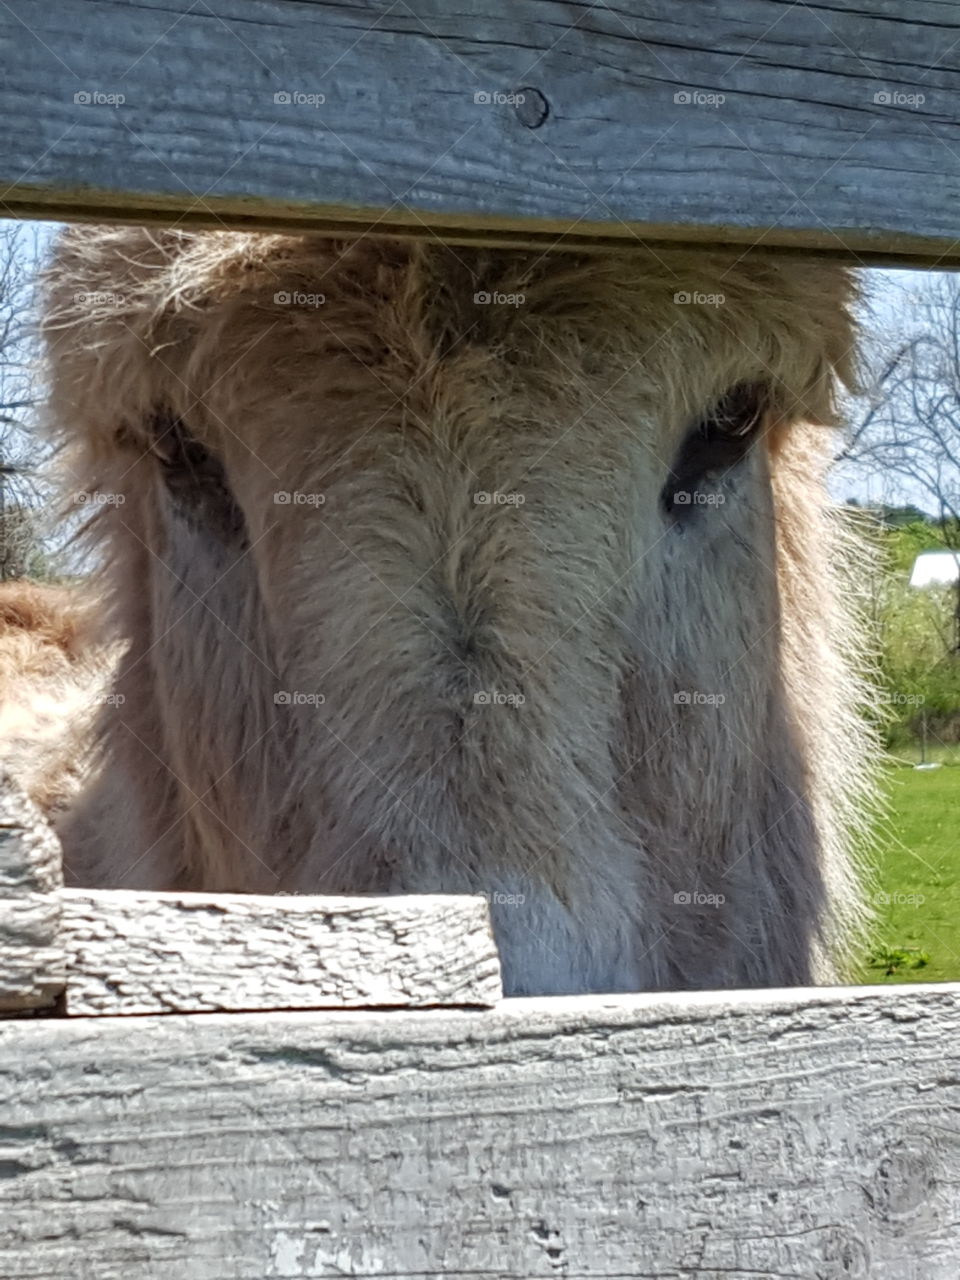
[(51, 679), (459, 570)]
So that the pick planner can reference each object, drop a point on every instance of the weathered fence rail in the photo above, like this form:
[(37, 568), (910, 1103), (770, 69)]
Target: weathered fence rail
[(831, 128), (802, 1134), (135, 953)]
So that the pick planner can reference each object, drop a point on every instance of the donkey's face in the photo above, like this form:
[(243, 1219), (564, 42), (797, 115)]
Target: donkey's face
[(447, 570)]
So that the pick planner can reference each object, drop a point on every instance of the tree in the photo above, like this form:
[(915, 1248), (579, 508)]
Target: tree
[(22, 492), (906, 429)]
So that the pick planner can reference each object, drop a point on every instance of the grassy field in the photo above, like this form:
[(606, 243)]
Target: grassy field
[(917, 938)]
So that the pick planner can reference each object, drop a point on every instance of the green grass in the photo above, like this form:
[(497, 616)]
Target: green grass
[(917, 937)]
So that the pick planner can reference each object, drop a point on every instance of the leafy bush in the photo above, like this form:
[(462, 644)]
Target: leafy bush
[(917, 665)]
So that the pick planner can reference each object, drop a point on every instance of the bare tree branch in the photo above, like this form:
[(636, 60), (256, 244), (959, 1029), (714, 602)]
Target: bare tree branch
[(21, 495), (906, 429)]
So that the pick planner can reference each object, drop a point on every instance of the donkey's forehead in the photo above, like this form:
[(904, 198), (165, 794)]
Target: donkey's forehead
[(713, 318), (171, 265), (635, 287), (175, 313)]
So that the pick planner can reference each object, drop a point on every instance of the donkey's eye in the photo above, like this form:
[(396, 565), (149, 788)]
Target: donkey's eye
[(195, 479), (714, 445), (736, 415)]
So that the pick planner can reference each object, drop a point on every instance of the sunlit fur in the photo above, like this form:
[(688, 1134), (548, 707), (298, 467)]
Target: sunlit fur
[(51, 675), (589, 810)]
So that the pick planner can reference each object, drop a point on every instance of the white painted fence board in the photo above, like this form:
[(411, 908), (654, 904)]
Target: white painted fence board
[(839, 127), (135, 953), (31, 957), (810, 1134)]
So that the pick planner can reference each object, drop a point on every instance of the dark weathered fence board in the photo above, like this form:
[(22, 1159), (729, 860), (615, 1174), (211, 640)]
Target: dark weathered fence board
[(131, 953), (839, 128), (806, 1133)]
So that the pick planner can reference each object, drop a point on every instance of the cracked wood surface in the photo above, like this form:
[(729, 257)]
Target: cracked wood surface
[(833, 127), (136, 953), (31, 955), (777, 1134)]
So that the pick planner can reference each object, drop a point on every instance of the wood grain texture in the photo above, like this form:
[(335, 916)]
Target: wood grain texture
[(133, 953), (31, 956), (832, 126), (811, 1134)]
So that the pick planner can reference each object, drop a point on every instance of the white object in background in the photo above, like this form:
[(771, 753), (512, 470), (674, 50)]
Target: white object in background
[(935, 569)]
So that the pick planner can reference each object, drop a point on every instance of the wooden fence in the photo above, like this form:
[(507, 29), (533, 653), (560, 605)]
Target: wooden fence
[(204, 1087)]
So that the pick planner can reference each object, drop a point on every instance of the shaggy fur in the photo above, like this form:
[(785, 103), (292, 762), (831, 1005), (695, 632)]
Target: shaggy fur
[(50, 678), (627, 838)]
